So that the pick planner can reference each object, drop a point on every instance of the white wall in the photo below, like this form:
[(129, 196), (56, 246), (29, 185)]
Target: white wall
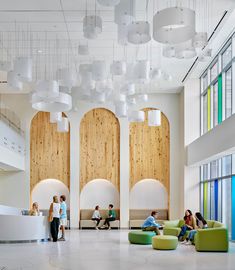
[(148, 194), (191, 132), (99, 192), (168, 103), (46, 189)]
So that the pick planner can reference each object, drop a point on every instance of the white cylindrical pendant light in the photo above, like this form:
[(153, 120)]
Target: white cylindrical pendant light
[(99, 72), (47, 89), (104, 86), (5, 66), (128, 89), (55, 117), (154, 118), (168, 51), (136, 116), (155, 73), (108, 3), (200, 40), (98, 97), (122, 34), (92, 26), (83, 49), (81, 93), (118, 68), (66, 77), (131, 100), (13, 80), (142, 97), (23, 68), (84, 68), (139, 32), (142, 71), (124, 12), (63, 125), (174, 25), (62, 103), (121, 109), (185, 50)]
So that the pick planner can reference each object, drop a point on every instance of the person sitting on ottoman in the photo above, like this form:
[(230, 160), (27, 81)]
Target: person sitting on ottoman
[(150, 223)]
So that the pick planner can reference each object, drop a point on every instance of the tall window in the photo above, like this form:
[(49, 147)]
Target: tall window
[(215, 104), (217, 192), (217, 88), (205, 126), (228, 93)]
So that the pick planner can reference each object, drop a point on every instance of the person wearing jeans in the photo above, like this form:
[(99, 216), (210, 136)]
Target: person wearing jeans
[(54, 215), (150, 223), (111, 217), (190, 224), (96, 216)]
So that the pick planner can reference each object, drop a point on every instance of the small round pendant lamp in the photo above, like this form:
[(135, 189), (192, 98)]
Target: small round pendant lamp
[(13, 80), (99, 72), (118, 68), (55, 117), (136, 116), (47, 89), (121, 109), (154, 118), (63, 125), (139, 32), (23, 68), (200, 40)]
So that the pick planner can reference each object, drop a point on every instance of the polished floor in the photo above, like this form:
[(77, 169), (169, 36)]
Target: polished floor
[(107, 250)]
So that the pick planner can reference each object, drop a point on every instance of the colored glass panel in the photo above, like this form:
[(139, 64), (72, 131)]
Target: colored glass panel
[(220, 101), (205, 204), (216, 198), (233, 208), (209, 108)]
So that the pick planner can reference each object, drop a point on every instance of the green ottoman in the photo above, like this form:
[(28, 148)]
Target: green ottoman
[(140, 237), (171, 231), (164, 242)]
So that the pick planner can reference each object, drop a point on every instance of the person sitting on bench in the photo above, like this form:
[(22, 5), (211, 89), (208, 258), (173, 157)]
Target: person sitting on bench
[(111, 217), (96, 216), (150, 223)]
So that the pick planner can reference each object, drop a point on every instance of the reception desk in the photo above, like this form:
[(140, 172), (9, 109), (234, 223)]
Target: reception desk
[(17, 228)]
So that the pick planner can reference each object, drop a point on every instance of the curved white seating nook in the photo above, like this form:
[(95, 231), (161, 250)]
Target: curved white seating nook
[(98, 192), (145, 196)]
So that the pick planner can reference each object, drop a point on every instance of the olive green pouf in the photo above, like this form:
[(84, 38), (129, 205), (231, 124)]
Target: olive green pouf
[(140, 237), (165, 242)]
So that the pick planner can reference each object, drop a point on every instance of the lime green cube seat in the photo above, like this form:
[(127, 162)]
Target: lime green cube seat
[(140, 237), (165, 242)]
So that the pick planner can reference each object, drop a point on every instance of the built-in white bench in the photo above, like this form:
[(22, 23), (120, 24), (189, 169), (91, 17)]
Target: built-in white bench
[(86, 222)]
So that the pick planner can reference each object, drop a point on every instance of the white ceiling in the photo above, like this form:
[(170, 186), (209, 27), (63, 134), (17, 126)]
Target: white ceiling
[(53, 22)]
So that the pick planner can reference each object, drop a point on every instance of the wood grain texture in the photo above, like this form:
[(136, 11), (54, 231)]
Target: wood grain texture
[(49, 151), (150, 151), (99, 147)]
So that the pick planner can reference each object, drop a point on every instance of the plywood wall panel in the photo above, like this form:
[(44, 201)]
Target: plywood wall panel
[(150, 151), (49, 151), (99, 147)]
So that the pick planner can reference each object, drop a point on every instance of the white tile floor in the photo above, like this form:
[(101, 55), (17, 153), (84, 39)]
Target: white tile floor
[(101, 250)]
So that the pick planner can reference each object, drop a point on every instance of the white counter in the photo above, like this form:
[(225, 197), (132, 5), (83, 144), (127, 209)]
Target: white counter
[(23, 228)]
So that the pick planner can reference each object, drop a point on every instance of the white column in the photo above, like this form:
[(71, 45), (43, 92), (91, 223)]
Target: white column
[(191, 132), (74, 174), (124, 173)]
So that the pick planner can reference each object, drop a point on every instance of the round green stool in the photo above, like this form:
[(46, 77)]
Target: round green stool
[(165, 242), (140, 237)]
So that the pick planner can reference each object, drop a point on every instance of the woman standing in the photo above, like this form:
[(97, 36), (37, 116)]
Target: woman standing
[(190, 224), (54, 218)]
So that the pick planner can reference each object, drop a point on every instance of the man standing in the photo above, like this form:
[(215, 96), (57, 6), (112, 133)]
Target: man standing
[(63, 216)]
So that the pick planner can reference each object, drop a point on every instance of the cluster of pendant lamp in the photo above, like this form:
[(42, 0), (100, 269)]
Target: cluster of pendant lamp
[(174, 27)]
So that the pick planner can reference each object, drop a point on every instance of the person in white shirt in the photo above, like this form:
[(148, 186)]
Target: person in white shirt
[(96, 216), (54, 218)]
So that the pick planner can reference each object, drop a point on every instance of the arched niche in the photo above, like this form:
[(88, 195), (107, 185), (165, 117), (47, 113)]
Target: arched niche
[(99, 192), (99, 147), (150, 151), (148, 194), (46, 189), (49, 151)]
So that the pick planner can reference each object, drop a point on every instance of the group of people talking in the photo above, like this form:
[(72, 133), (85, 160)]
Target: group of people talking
[(57, 216), (191, 223), (96, 216)]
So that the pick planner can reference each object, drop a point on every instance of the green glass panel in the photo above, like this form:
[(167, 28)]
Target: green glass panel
[(205, 203), (220, 102), (209, 108)]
